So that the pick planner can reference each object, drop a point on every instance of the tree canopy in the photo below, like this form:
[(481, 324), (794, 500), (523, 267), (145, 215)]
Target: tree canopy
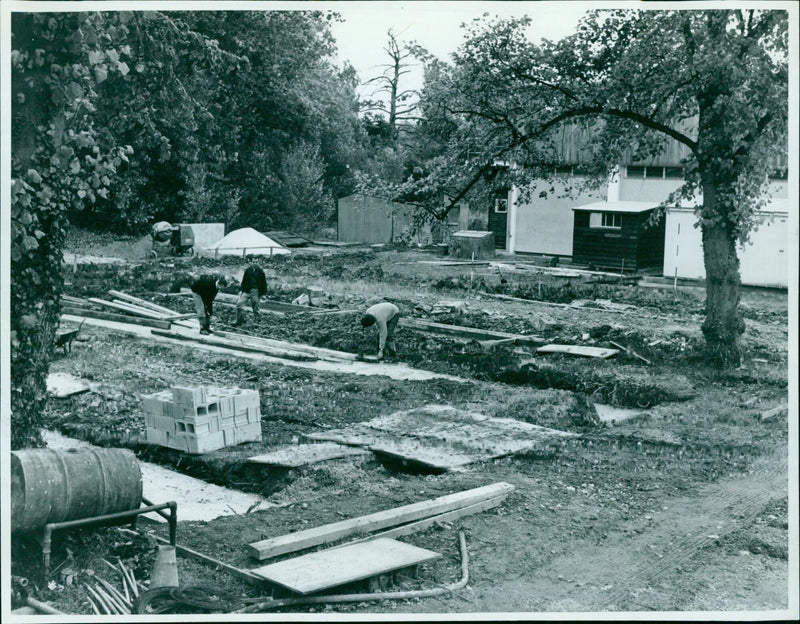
[(714, 81)]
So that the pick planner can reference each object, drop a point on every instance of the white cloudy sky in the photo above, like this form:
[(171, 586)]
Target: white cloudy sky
[(436, 26)]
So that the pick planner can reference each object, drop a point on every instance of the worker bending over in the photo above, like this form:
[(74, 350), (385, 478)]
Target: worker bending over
[(386, 315), (204, 291), (252, 288)]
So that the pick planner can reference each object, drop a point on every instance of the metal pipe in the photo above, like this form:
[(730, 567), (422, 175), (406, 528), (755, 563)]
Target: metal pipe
[(188, 552), (405, 595), (44, 607), (53, 526)]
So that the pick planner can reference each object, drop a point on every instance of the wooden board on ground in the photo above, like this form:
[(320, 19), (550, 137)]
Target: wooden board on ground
[(321, 352), (120, 318), (126, 307), (443, 437), (419, 525), (465, 332), (296, 455), (238, 346), (141, 302), (594, 352), (62, 385), (330, 568), (308, 538)]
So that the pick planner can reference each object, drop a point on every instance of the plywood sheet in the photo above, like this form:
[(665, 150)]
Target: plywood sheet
[(328, 568), (295, 455), (595, 352), (443, 437)]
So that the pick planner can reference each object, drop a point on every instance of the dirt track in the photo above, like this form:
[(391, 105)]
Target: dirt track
[(683, 509)]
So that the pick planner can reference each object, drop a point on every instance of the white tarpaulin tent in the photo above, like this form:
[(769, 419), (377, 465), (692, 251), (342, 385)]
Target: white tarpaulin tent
[(246, 241)]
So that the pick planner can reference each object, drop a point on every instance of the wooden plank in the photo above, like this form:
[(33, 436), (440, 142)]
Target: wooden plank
[(236, 346), (120, 318), (76, 300), (355, 562), (141, 302), (292, 542), (595, 352), (124, 307), (320, 352), (296, 455), (631, 352), (180, 317), (420, 525), (521, 300), (468, 332), (773, 412)]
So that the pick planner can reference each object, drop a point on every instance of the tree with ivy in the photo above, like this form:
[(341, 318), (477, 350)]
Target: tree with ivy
[(714, 81), (66, 156)]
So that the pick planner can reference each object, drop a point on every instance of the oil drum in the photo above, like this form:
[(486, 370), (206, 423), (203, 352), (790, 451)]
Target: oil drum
[(55, 486)]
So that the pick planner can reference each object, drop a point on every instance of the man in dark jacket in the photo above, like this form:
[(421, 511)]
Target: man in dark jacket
[(204, 291), (252, 288)]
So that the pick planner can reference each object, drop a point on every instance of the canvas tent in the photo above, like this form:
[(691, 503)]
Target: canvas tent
[(246, 242)]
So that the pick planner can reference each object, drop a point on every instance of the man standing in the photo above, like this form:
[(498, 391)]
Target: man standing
[(204, 291), (253, 287), (386, 315)]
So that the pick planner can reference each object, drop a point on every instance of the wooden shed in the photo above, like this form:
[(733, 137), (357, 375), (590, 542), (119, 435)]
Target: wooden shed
[(617, 235), (368, 219)]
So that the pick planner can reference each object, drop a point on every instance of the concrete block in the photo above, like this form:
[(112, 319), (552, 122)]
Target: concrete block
[(153, 405), (227, 405), (195, 444), (155, 436), (246, 399), (189, 395), (245, 433), (250, 433), (254, 415), (240, 419), (149, 420), (165, 423)]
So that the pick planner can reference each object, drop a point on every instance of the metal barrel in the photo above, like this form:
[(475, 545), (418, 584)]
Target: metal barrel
[(56, 486)]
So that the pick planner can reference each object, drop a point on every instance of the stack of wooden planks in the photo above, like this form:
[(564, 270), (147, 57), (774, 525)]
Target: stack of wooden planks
[(123, 308), (267, 305), (130, 309)]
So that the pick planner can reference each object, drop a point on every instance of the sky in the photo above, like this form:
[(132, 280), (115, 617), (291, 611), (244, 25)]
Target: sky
[(436, 26)]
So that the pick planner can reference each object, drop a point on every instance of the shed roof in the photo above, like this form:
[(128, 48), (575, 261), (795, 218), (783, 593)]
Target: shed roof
[(618, 206), (777, 205)]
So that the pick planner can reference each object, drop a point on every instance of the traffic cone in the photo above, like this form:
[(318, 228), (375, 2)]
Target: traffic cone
[(165, 569)]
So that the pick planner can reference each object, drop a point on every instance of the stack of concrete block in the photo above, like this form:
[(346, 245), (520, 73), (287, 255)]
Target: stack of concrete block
[(198, 419)]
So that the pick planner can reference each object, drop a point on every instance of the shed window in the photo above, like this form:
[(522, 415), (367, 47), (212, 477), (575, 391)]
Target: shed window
[(634, 172), (501, 205), (605, 220)]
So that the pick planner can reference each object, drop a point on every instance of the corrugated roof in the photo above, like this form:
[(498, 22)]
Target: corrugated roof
[(618, 206)]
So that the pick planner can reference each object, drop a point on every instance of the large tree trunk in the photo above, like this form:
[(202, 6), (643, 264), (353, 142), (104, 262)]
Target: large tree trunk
[(36, 279), (724, 325)]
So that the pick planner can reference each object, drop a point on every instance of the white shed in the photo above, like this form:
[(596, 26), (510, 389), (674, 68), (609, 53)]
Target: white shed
[(764, 261)]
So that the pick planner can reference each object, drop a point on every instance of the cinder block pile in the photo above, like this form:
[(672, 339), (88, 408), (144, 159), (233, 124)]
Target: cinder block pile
[(199, 419)]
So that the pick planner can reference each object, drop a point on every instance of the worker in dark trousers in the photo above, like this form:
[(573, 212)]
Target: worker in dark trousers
[(252, 288), (204, 291), (385, 315)]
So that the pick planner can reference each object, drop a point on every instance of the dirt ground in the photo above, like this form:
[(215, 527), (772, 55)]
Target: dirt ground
[(684, 508)]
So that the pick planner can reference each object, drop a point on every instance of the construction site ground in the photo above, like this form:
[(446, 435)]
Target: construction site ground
[(683, 507)]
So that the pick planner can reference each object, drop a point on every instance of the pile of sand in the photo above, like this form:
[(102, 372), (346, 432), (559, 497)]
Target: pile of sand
[(246, 241)]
